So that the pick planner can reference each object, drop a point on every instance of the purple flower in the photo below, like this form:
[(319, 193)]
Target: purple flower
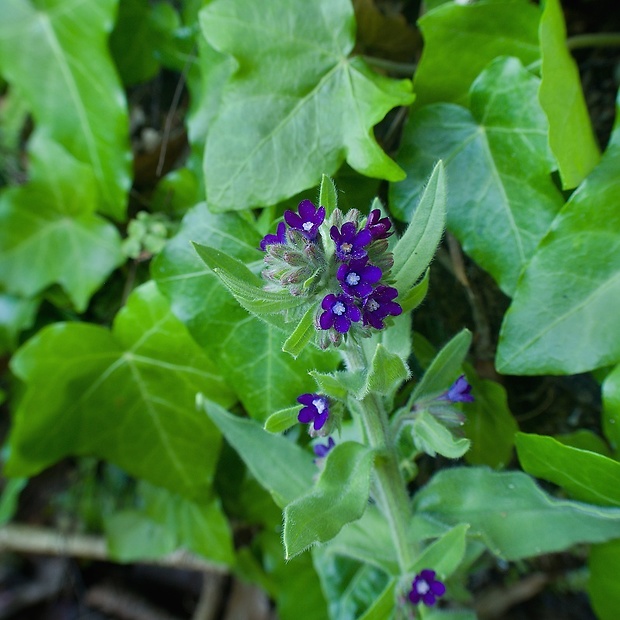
[(316, 410), (308, 220), (380, 304), (321, 450), (357, 277), (378, 226), (349, 242), (340, 312), (426, 588), (279, 237), (458, 392)]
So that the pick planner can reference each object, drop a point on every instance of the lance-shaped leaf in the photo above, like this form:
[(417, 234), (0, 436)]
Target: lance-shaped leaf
[(416, 248), (459, 41), (386, 374), (279, 465), (339, 497), (75, 96), (298, 106), (560, 319), (49, 233), (501, 199), (431, 436), (126, 395), (247, 350), (611, 409), (570, 132), (604, 564), (513, 517)]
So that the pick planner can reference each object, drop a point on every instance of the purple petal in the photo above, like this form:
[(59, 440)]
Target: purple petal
[(437, 588), (306, 210), (429, 599), (326, 320), (371, 274), (342, 324), (320, 419), (307, 414), (328, 301), (293, 220), (353, 313)]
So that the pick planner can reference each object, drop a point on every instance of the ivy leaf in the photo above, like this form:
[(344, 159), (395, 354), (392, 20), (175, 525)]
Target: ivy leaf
[(303, 103), (560, 319), (514, 518), (49, 232), (42, 54), (119, 394), (247, 351), (570, 132), (459, 41), (501, 199)]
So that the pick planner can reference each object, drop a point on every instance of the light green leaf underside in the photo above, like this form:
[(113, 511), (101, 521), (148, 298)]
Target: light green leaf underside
[(75, 97), (115, 394), (500, 197), (303, 104)]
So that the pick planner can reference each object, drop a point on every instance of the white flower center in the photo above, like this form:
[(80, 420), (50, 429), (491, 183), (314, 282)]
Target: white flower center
[(353, 279), (372, 305), (339, 308), (346, 248), (307, 226), (319, 403), (422, 587)]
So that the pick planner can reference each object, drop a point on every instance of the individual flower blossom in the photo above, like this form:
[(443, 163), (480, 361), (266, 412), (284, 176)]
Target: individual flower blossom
[(380, 304), (279, 237), (308, 220), (349, 242), (378, 226), (316, 410), (340, 312), (426, 588), (357, 277), (458, 392), (322, 450)]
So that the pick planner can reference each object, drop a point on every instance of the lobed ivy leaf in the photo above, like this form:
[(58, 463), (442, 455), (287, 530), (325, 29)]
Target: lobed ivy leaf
[(75, 97), (560, 319), (570, 131), (125, 395), (49, 232), (460, 41), (511, 515), (500, 196), (247, 351), (304, 104), (339, 496)]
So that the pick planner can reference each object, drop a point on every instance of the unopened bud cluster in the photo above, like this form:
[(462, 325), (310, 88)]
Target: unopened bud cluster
[(348, 271)]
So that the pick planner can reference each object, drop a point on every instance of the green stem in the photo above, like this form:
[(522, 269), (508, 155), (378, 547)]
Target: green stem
[(391, 490), (404, 69), (599, 39)]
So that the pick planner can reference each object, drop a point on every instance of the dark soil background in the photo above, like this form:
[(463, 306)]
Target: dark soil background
[(544, 588)]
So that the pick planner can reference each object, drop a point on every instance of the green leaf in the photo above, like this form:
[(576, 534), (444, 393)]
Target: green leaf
[(132, 536), (281, 466), (338, 384), (501, 199), (416, 248), (10, 497), (49, 233), (611, 409), (432, 437), (282, 420), (560, 319), (42, 53), (387, 372), (304, 105), (247, 351), (199, 526), (604, 564), (328, 196), (584, 439), (302, 334), (416, 295), (488, 423), (16, 315), (445, 554), (339, 497), (513, 517), (444, 369), (383, 606), (135, 385), (459, 42), (587, 476), (570, 132)]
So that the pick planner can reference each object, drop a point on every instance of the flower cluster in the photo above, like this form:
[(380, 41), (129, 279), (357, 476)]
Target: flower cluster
[(349, 272)]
